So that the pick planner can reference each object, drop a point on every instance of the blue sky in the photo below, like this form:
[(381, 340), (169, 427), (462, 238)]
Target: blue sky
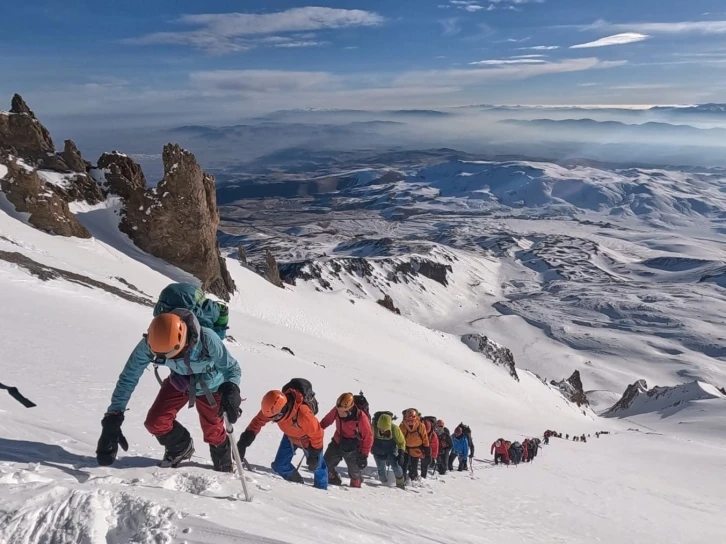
[(224, 59)]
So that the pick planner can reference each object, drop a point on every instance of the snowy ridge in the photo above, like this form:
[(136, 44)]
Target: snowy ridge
[(638, 399)]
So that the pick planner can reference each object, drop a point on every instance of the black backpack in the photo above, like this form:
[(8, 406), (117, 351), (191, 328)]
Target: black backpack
[(361, 403), (306, 389)]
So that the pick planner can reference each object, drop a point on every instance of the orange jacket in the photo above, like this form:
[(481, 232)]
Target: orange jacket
[(300, 424), (416, 437)]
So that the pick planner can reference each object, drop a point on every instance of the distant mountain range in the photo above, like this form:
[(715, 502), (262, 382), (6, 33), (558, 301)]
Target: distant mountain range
[(622, 131)]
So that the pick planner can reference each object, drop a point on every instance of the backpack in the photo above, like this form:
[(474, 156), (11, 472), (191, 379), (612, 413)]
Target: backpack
[(306, 390), (361, 403), (211, 314)]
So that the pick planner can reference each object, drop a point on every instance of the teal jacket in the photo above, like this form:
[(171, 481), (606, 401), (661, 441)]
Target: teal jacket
[(217, 368)]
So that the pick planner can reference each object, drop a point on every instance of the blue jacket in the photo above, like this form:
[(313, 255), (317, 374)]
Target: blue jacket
[(218, 368), (460, 445)]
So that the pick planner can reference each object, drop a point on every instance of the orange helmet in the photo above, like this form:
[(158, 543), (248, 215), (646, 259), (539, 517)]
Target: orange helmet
[(345, 402), (274, 404), (167, 335)]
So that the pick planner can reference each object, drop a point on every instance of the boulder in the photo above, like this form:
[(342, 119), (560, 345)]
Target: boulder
[(177, 220), (496, 353), (29, 194), (241, 254)]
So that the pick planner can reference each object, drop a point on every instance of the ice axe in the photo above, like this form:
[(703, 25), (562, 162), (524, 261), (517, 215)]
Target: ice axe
[(17, 396), (235, 454)]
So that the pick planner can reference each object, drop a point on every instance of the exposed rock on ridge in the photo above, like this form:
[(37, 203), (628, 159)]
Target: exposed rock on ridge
[(497, 353), (176, 221), (572, 389)]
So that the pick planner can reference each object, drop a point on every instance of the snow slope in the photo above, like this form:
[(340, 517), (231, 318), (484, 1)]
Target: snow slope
[(63, 345)]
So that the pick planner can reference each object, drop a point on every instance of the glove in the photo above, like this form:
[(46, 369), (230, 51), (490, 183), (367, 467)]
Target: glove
[(230, 401), (362, 461), (313, 458), (401, 457), (111, 437), (244, 442), (426, 451)]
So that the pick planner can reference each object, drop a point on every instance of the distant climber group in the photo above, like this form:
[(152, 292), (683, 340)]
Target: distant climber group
[(186, 336)]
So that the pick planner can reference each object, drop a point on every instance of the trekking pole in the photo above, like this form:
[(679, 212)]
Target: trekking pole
[(13, 391), (235, 454)]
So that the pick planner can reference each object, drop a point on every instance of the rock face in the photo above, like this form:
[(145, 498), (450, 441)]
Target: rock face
[(272, 272), (497, 353), (632, 392), (47, 211), (242, 254), (72, 157), (572, 389), (21, 134), (387, 303), (176, 221)]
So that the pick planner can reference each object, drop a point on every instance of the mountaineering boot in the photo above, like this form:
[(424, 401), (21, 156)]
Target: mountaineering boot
[(222, 457), (178, 446), (400, 483), (334, 478), (355, 483), (295, 477), (173, 459)]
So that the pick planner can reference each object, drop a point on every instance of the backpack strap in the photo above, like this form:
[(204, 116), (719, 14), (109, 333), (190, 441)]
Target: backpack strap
[(197, 378)]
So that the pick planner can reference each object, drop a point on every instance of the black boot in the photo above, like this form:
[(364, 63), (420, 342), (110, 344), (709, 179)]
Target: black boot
[(178, 446), (222, 457)]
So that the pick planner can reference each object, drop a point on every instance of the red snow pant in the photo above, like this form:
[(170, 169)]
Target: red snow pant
[(170, 400)]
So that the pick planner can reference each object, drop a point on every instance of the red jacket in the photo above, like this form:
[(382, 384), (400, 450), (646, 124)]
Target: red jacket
[(351, 428), (525, 450), (434, 443), (502, 449)]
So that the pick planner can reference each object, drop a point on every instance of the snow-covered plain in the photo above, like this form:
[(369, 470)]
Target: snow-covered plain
[(63, 345)]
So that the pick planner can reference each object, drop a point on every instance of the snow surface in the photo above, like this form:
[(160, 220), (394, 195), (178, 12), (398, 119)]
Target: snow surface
[(64, 181), (3, 171), (64, 345)]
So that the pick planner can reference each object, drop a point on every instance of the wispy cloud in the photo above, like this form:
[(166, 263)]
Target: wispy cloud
[(232, 32), (679, 27), (540, 48), (491, 73), (502, 62), (471, 6), (260, 80), (617, 39), (527, 56), (450, 26)]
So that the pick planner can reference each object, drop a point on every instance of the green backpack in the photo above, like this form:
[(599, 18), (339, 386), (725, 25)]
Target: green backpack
[(210, 313)]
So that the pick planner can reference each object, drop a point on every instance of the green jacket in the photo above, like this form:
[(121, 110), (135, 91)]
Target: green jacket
[(385, 445)]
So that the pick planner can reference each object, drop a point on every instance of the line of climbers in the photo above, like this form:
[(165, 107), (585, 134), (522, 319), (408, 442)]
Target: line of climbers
[(186, 337), (416, 443), (575, 438), (507, 452)]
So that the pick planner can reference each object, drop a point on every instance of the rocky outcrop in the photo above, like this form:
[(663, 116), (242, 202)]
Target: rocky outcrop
[(242, 254), (572, 389), (632, 392), (495, 352), (177, 220), (387, 303), (722, 390), (122, 176), (21, 134), (73, 159), (29, 194), (272, 271)]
